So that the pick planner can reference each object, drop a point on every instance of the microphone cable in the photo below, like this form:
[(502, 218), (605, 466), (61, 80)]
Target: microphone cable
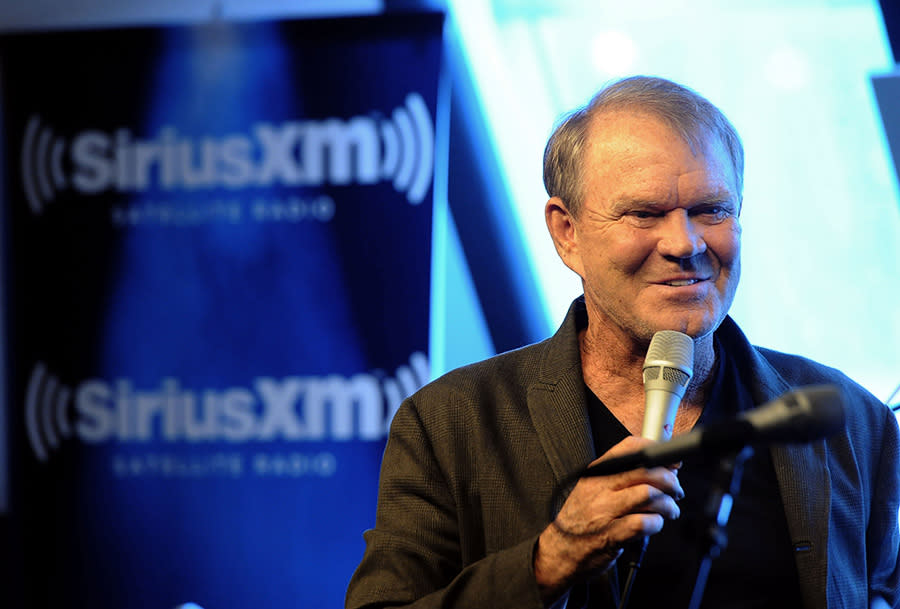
[(634, 565)]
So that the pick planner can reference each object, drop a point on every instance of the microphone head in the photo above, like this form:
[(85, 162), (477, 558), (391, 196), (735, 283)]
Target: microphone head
[(668, 368), (669, 363), (802, 415)]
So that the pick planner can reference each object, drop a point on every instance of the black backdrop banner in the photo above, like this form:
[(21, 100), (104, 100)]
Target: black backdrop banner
[(217, 274)]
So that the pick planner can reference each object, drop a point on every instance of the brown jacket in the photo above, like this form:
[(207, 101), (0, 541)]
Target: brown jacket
[(473, 459)]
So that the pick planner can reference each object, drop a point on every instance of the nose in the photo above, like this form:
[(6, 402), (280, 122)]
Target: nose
[(680, 235)]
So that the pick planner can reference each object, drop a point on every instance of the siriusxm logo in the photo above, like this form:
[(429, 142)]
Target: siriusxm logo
[(296, 409), (359, 150)]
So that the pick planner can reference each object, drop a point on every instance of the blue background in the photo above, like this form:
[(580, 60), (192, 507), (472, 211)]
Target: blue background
[(216, 306), (822, 220)]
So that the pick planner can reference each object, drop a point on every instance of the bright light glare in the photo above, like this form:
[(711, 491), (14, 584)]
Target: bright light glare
[(787, 68), (613, 53), (821, 240)]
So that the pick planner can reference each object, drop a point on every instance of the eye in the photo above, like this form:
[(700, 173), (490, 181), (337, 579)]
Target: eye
[(643, 214), (642, 218), (712, 212)]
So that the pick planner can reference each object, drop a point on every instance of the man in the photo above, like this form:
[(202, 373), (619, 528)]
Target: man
[(645, 188)]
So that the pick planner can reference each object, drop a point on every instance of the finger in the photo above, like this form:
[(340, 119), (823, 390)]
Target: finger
[(633, 527), (663, 478), (596, 501), (630, 444), (647, 499)]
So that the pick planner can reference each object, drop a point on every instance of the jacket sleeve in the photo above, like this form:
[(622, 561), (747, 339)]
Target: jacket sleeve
[(414, 555), (883, 535)]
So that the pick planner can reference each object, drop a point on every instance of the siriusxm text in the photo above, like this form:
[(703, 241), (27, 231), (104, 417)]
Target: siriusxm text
[(291, 409), (295, 153)]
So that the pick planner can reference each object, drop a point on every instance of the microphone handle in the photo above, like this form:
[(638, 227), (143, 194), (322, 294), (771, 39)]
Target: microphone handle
[(660, 407)]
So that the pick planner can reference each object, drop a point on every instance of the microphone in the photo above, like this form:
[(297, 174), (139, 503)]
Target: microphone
[(802, 415), (668, 368), (667, 371)]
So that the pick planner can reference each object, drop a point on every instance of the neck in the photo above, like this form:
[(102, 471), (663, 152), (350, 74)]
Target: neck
[(613, 370)]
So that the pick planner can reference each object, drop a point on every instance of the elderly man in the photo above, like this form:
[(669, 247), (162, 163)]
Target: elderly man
[(645, 188)]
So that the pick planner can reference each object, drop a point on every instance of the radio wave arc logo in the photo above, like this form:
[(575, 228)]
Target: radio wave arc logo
[(42, 171), (409, 148), (364, 149), (46, 404)]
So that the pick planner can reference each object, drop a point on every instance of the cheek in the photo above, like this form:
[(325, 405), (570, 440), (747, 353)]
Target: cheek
[(626, 251), (726, 244)]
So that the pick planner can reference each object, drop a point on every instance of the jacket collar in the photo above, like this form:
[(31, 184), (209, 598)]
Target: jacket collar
[(556, 400), (801, 471)]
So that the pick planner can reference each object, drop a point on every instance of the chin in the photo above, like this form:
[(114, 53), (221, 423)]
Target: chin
[(695, 326)]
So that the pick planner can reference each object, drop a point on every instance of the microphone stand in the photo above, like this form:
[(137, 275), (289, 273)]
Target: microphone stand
[(714, 538)]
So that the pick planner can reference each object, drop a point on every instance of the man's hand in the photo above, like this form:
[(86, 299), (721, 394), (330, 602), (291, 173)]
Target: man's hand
[(600, 516)]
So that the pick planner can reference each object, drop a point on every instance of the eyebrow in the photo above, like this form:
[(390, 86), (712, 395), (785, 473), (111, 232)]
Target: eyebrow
[(629, 202)]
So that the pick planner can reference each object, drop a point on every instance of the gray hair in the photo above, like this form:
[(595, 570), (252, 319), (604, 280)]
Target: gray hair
[(687, 112)]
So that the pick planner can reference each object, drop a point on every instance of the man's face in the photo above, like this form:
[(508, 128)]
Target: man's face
[(657, 240)]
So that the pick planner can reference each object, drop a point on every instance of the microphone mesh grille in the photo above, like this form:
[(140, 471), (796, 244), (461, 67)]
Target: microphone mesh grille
[(651, 374), (673, 347), (674, 375)]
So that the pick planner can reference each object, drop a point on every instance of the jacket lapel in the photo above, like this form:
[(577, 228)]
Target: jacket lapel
[(560, 419), (806, 494), (556, 400), (801, 471)]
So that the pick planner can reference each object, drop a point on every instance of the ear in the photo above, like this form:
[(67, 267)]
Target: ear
[(562, 229)]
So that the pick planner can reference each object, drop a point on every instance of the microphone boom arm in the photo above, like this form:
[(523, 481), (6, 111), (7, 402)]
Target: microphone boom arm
[(802, 415)]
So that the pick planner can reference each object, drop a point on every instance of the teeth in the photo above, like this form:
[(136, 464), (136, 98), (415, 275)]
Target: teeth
[(683, 282)]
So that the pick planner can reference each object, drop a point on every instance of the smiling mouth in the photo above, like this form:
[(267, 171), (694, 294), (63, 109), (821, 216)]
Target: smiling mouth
[(682, 282)]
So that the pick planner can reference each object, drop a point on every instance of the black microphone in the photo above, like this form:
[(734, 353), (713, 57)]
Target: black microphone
[(668, 368), (802, 415)]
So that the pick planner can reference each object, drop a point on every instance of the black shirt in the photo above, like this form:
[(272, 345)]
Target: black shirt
[(756, 568)]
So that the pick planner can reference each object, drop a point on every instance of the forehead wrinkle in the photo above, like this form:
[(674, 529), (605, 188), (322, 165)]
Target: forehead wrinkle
[(627, 201), (637, 163)]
